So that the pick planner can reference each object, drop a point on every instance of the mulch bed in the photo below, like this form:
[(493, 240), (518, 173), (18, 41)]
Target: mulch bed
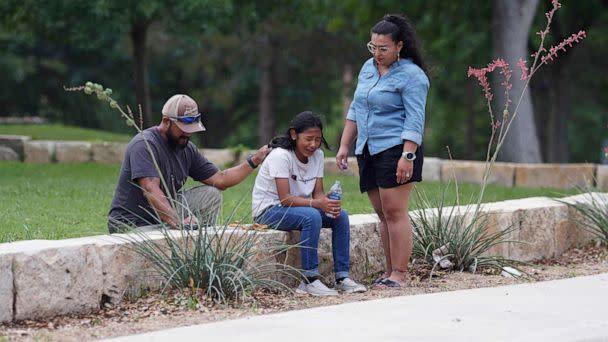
[(156, 311)]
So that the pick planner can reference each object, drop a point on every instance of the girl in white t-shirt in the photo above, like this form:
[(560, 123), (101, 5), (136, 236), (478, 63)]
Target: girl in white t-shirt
[(288, 195)]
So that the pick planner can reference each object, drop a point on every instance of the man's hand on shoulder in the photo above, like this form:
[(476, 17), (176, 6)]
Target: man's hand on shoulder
[(261, 154)]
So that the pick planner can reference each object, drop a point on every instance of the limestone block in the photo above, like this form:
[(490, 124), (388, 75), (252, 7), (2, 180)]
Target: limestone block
[(7, 154), (219, 157), (473, 172), (535, 221), (583, 226), (58, 280), (496, 222), (366, 253), (431, 169), (39, 151), (14, 142), (331, 168), (6, 288), (108, 152), (601, 177), (72, 151), (559, 176), (125, 271)]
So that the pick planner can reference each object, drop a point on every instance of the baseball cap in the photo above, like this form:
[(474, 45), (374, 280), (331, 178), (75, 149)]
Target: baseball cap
[(183, 110)]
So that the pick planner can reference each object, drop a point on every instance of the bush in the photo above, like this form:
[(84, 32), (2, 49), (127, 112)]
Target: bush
[(222, 262), (456, 237)]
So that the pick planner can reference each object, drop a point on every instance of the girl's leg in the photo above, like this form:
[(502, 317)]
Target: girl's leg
[(340, 242), (374, 198), (308, 221), (395, 203)]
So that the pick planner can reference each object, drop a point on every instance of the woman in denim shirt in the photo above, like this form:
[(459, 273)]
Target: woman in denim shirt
[(387, 119)]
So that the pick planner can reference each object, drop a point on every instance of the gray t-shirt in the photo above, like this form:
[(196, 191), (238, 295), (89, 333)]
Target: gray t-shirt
[(176, 164)]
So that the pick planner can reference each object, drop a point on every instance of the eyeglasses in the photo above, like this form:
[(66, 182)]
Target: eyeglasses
[(186, 119), (373, 48)]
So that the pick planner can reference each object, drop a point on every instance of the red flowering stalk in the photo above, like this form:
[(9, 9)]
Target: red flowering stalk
[(524, 69), (541, 57)]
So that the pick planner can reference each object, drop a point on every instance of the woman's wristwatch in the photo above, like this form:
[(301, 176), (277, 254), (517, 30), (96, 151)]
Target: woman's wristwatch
[(409, 156)]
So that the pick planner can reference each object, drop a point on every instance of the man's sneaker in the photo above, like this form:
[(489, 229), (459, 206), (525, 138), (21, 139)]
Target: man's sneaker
[(348, 285), (316, 288)]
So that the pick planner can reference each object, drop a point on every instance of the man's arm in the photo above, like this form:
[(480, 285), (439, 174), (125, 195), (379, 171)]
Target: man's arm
[(158, 200), (234, 175)]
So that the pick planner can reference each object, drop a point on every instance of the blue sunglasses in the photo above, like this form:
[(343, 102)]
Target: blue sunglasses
[(186, 119)]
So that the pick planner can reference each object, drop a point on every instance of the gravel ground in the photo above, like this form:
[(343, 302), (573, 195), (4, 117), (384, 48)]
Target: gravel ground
[(157, 311)]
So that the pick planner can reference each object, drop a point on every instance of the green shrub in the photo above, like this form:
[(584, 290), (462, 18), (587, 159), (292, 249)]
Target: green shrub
[(456, 237)]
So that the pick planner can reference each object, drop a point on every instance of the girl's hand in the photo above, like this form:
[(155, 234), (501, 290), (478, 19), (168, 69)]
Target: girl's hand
[(404, 171), (329, 206)]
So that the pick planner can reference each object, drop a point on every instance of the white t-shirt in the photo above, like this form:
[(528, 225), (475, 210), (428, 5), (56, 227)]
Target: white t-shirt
[(282, 163)]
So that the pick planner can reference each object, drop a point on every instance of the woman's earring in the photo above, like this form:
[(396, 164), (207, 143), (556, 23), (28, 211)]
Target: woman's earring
[(398, 57)]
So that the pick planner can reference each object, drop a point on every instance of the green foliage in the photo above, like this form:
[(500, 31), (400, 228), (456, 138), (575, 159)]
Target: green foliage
[(220, 261), (214, 51), (456, 237)]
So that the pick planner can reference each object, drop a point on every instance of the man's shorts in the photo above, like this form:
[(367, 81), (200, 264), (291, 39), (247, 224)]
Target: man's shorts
[(379, 171)]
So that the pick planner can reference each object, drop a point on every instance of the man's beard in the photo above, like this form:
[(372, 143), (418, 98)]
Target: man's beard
[(177, 142)]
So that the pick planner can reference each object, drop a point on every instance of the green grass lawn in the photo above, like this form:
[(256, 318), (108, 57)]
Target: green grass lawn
[(61, 132), (57, 201)]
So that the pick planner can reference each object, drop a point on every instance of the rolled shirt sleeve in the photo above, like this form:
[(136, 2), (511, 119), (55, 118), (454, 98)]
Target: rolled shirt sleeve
[(351, 115), (414, 102)]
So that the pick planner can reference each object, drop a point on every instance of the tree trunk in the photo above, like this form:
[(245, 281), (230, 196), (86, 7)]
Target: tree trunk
[(512, 21), (266, 124), (469, 137), (139, 33), (557, 148)]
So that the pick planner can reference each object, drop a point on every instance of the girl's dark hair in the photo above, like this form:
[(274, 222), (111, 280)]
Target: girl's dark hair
[(401, 30), (300, 123)]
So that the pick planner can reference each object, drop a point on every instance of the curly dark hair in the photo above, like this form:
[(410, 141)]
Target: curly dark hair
[(401, 29)]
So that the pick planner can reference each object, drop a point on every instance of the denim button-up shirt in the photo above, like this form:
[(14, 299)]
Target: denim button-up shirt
[(391, 108)]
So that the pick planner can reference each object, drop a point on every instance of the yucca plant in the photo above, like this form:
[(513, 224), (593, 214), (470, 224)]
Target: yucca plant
[(456, 237), (222, 262), (592, 212)]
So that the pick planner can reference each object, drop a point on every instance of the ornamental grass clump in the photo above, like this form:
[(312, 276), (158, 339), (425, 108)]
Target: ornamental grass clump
[(222, 262), (456, 237)]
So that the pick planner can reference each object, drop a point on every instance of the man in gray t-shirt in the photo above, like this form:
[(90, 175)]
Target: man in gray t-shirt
[(142, 198)]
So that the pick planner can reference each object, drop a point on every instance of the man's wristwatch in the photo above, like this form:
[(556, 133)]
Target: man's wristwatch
[(250, 161), (409, 156)]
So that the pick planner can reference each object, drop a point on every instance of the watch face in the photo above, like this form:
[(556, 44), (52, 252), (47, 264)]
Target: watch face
[(410, 156)]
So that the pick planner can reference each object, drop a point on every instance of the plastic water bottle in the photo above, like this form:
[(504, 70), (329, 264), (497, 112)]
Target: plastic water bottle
[(335, 193)]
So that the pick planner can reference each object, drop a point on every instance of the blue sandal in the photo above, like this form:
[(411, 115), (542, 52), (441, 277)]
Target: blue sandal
[(378, 281), (390, 283)]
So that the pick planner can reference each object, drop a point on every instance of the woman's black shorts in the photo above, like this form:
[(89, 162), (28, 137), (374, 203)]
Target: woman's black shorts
[(379, 171)]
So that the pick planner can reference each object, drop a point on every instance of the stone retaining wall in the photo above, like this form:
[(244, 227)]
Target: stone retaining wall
[(558, 176), (42, 278)]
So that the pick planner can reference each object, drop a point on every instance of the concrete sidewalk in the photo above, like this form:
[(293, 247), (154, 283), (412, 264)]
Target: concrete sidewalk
[(573, 309)]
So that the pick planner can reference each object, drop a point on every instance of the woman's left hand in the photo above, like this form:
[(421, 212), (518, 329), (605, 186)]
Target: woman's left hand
[(405, 168)]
